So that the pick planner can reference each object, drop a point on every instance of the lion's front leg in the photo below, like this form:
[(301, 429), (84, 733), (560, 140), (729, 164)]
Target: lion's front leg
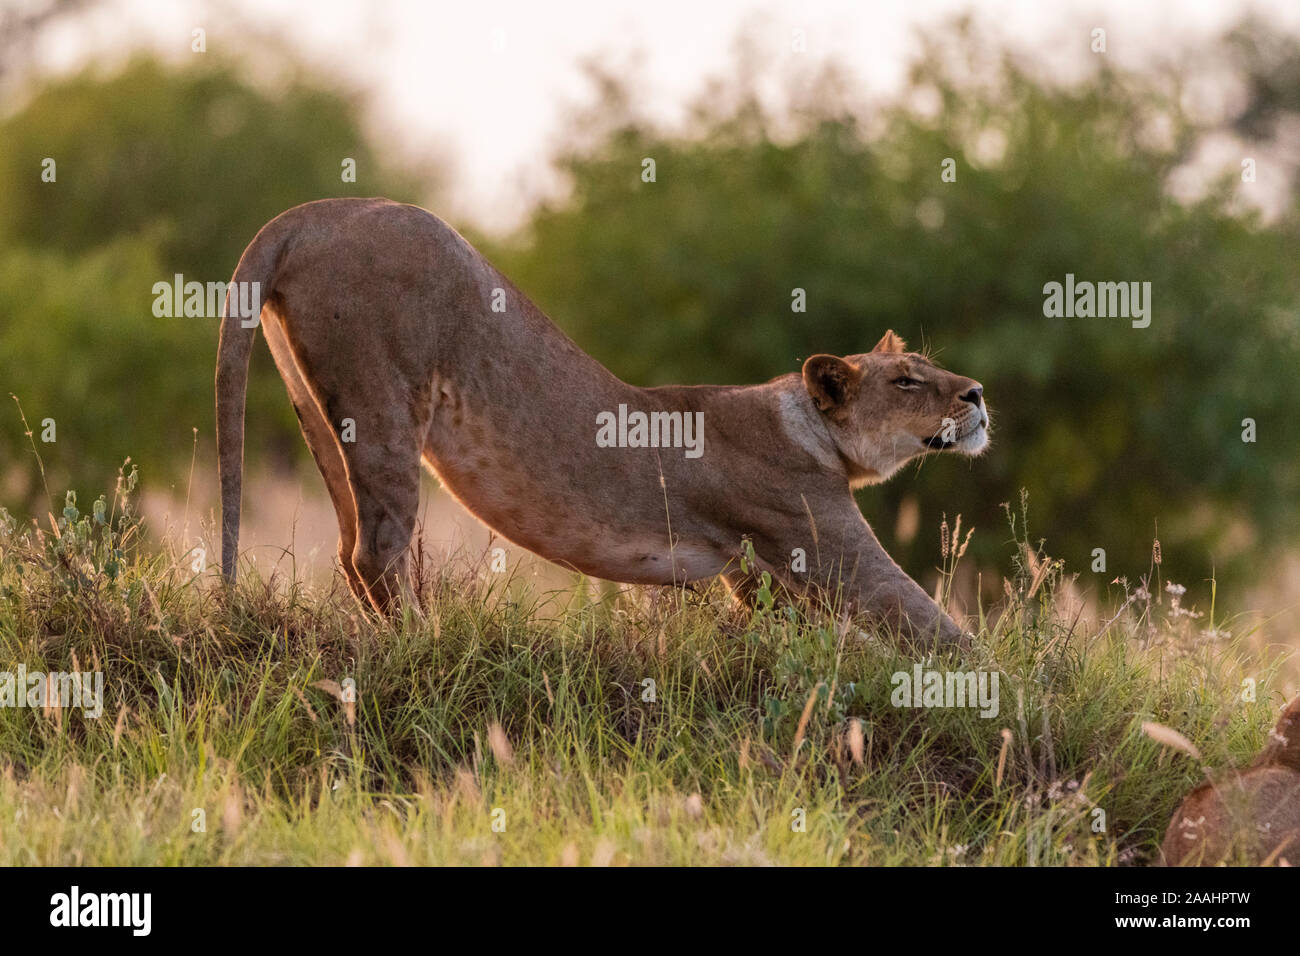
[(876, 587), (847, 567)]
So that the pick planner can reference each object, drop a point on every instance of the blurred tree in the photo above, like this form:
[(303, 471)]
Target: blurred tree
[(196, 157), (1112, 429), (159, 170)]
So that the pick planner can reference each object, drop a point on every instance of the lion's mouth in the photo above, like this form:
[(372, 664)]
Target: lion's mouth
[(973, 435)]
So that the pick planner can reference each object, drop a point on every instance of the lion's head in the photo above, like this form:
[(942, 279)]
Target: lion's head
[(885, 407)]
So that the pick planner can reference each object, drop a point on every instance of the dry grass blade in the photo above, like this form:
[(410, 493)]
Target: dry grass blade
[(119, 726), (803, 721), (330, 687), (1168, 737), (1276, 858), (348, 699), (1039, 567), (500, 745), (855, 740), (303, 697), (1002, 756)]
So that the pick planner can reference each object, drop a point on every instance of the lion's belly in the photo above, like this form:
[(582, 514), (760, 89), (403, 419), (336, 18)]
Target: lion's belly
[(564, 510)]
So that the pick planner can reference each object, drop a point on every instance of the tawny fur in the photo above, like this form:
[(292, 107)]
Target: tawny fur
[(1250, 816), (380, 313)]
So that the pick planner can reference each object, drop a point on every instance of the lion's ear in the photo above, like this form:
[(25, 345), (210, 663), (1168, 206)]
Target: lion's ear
[(889, 342), (831, 381)]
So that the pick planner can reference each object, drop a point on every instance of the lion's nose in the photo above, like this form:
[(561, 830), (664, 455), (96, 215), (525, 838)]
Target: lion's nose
[(975, 395)]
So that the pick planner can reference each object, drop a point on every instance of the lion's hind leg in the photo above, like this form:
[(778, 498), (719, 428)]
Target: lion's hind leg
[(329, 459), (323, 444), (383, 468)]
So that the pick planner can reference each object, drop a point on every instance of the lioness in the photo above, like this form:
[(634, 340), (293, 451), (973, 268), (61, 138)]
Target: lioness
[(399, 343), (1250, 816)]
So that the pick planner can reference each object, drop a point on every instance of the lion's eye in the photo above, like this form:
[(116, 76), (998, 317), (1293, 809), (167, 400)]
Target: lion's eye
[(904, 381)]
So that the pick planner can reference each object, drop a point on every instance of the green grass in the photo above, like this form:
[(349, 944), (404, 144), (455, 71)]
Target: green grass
[(219, 709)]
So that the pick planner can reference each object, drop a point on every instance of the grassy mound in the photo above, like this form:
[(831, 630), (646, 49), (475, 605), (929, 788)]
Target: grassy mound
[(279, 724)]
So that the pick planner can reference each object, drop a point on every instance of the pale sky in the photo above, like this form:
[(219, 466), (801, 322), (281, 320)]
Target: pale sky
[(485, 84)]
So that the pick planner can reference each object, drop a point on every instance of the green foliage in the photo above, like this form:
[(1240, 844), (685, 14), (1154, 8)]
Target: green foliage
[(1114, 430), (160, 170), (75, 566), (196, 158), (115, 380)]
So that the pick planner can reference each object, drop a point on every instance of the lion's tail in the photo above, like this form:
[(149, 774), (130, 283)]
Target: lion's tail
[(250, 287)]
